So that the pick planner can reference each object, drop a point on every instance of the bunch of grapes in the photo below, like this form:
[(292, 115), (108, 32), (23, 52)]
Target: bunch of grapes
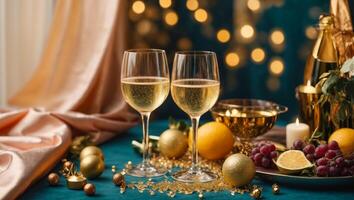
[(328, 158), (263, 153)]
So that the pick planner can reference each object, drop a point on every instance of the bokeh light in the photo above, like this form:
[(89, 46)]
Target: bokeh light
[(171, 18), (138, 7), (144, 27), (165, 3), (184, 44), (311, 32), (273, 83), (258, 55), (247, 31), (277, 37), (192, 5), (276, 66), (223, 35), (232, 59), (254, 5), (201, 15)]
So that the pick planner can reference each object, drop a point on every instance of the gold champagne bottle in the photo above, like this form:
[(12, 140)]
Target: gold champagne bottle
[(324, 55)]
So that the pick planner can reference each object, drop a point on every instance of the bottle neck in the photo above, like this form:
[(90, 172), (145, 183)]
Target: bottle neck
[(325, 48)]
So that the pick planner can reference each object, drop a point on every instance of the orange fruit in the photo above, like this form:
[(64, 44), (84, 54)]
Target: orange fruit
[(215, 140), (345, 139)]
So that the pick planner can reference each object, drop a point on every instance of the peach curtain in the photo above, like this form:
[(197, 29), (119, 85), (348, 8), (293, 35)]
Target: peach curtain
[(74, 90)]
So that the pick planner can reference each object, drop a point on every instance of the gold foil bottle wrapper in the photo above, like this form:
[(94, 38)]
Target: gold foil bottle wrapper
[(343, 32)]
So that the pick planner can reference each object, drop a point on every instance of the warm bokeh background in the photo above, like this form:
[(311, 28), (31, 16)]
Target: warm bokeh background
[(261, 45)]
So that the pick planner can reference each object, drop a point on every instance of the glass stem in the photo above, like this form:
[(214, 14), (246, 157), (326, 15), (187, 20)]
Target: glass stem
[(145, 121), (195, 123)]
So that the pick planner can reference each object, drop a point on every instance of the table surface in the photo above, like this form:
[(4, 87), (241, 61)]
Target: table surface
[(118, 151)]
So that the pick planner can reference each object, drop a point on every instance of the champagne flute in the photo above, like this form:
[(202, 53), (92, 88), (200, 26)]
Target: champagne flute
[(145, 86), (195, 89)]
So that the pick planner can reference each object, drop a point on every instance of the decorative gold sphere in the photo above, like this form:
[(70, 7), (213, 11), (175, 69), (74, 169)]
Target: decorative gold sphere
[(91, 166), (256, 193), (118, 179), (173, 143), (91, 150), (238, 170), (53, 179), (90, 189), (275, 188)]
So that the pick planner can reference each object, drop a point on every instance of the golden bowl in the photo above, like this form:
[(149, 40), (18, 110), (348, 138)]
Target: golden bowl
[(247, 118)]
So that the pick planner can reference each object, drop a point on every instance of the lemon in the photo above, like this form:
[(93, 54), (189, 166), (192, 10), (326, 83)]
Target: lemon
[(215, 140), (238, 170), (345, 139), (292, 161)]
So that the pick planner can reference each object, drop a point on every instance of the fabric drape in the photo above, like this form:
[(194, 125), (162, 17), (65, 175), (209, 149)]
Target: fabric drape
[(74, 90)]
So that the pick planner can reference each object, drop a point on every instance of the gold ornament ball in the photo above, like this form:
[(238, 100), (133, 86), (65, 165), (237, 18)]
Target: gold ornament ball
[(238, 170), (173, 143), (53, 179), (91, 150), (90, 189), (118, 179), (256, 193), (91, 166), (275, 189)]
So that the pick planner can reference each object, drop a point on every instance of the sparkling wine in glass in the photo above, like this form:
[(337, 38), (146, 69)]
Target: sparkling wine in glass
[(145, 85), (195, 89)]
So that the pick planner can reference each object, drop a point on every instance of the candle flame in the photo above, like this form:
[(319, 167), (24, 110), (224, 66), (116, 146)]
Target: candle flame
[(297, 121), (308, 83)]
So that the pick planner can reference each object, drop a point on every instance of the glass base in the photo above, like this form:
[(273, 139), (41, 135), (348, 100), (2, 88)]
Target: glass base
[(146, 170), (192, 176)]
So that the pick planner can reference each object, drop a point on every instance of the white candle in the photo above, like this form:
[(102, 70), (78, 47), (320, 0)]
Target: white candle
[(295, 131), (308, 88)]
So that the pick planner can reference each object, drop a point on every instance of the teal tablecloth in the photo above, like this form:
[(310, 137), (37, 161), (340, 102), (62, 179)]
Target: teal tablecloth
[(118, 152)]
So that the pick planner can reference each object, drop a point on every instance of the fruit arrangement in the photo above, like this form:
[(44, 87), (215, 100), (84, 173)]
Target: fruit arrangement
[(323, 160)]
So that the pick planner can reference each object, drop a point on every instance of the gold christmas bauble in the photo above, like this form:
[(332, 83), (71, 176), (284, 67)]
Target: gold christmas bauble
[(91, 150), (256, 193), (91, 166), (118, 179), (53, 179), (90, 189), (238, 170), (173, 143)]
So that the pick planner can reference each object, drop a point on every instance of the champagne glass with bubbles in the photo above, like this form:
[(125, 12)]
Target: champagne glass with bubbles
[(195, 89), (145, 86)]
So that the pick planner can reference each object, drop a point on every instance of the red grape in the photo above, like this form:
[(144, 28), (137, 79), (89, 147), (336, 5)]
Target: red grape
[(309, 149), (266, 162), (255, 150), (340, 161), (298, 144), (271, 147), (322, 162), (333, 145), (310, 157), (274, 154), (322, 170), (258, 159), (321, 150), (345, 172), (265, 150), (333, 171), (331, 154)]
